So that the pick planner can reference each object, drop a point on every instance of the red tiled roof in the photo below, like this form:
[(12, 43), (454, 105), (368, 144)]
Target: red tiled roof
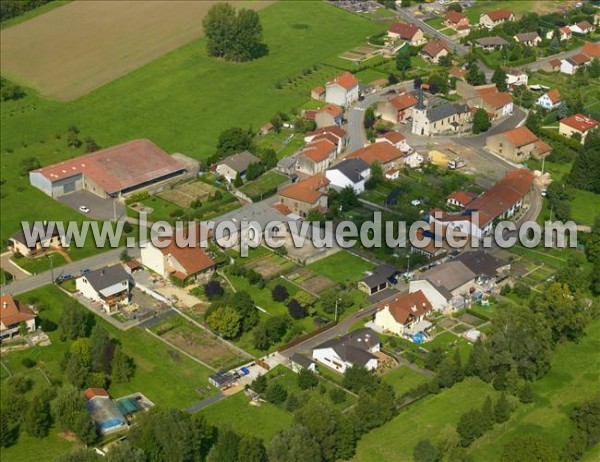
[(334, 130), (393, 136), (499, 15), (319, 150), (494, 98), (591, 49), (404, 101), (565, 30), (457, 72), (93, 392), (345, 80), (377, 152), (579, 122), (404, 308), (520, 136), (579, 58), (454, 17), (193, 259), (307, 190), (584, 25), (405, 31), (554, 62), (12, 312), (434, 47), (332, 109), (463, 197), (281, 208), (541, 148), (554, 96), (318, 90), (118, 167)]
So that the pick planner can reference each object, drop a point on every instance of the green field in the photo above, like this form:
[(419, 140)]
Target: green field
[(585, 207), (342, 267), (519, 7), (404, 379), (264, 185), (261, 421), (168, 99)]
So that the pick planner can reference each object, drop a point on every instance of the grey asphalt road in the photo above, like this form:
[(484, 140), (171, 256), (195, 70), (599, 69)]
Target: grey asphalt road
[(100, 208), (45, 278)]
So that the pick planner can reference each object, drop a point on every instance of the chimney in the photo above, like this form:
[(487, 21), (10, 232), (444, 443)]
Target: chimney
[(4, 305), (102, 272)]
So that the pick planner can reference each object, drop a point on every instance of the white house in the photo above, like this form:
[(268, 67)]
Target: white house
[(299, 362), (109, 286), (358, 348), (570, 65), (549, 100), (333, 132), (12, 315), (349, 172), (516, 77), (582, 27), (235, 165), (404, 315), (343, 90), (396, 139)]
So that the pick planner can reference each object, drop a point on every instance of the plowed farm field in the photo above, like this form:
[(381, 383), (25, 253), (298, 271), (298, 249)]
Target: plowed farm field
[(83, 45)]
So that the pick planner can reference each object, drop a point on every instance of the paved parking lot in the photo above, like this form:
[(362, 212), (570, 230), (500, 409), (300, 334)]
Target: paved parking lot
[(100, 209)]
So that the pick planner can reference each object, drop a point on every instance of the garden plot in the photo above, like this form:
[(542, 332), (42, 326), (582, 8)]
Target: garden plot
[(184, 194), (360, 53), (270, 266), (471, 320), (311, 281), (200, 344)]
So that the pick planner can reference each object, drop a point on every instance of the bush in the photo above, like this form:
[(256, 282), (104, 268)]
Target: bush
[(275, 393), (213, 290), (279, 293), (28, 362), (337, 395), (296, 310)]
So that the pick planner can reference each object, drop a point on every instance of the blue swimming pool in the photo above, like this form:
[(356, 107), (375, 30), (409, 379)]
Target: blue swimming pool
[(419, 338)]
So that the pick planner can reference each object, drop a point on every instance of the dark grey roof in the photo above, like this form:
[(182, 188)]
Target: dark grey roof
[(480, 262), (448, 276), (446, 110), (527, 36), (287, 162), (382, 274), (351, 169), (491, 41), (301, 360), (354, 347), (105, 277), (240, 162), (42, 229)]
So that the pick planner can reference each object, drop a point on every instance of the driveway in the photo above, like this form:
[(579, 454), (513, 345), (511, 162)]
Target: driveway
[(10, 267), (100, 208)]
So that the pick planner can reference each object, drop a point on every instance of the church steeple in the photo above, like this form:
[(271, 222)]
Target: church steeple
[(421, 104)]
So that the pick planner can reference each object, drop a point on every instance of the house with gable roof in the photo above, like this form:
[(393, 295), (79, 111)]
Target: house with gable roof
[(457, 21), (343, 90), (577, 123), (355, 349), (329, 115), (410, 33), (550, 99), (572, 64), (397, 108), (517, 145), (434, 50), (495, 18), (404, 315), (12, 314), (305, 195), (109, 286), (349, 172), (317, 155)]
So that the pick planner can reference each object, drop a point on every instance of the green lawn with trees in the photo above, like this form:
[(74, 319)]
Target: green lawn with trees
[(342, 267)]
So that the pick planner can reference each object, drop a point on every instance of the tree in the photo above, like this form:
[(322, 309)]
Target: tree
[(213, 290), (307, 379), (238, 182), (85, 429), (594, 69), (527, 448), (243, 304), (67, 405), (226, 448), (481, 121), (248, 37), (23, 329), (392, 79), (367, 413), (7, 437), (357, 378), (403, 61), (445, 61), (100, 349), (279, 293), (73, 140), (563, 110), (219, 24), (275, 393), (226, 321), (234, 140), (91, 145), (425, 451), (526, 394), (269, 158), (474, 75), (499, 78), (122, 366), (386, 400), (585, 173), (296, 310), (469, 427), (346, 438), (320, 418), (76, 369), (488, 418), (586, 417), (252, 449), (533, 122), (292, 403), (254, 170), (73, 321), (502, 409), (294, 444), (37, 418)]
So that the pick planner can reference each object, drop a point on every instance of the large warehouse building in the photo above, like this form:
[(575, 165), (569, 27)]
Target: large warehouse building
[(111, 172)]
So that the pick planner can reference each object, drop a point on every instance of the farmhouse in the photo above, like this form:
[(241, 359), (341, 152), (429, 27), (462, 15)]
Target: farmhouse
[(13, 314), (329, 115), (445, 286), (383, 153), (179, 262), (530, 39), (549, 100), (110, 172), (517, 145), (503, 200), (305, 195), (397, 109), (495, 18), (575, 62), (457, 21), (434, 50), (382, 277), (331, 132), (460, 198), (108, 286), (235, 165), (576, 124), (357, 348), (447, 118), (554, 65), (491, 43), (404, 315), (349, 172), (45, 235), (316, 156), (407, 32), (343, 90)]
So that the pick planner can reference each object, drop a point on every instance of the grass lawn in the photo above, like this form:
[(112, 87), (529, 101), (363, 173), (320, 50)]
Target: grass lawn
[(30, 449), (519, 7), (342, 267), (262, 421), (575, 366), (448, 342), (404, 379), (585, 207), (369, 75), (41, 263), (436, 23), (264, 186), (167, 99), (427, 418)]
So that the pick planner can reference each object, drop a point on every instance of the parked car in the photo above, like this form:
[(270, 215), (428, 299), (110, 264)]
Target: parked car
[(84, 209)]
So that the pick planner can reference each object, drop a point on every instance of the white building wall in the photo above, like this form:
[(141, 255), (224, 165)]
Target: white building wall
[(86, 289), (153, 259), (437, 300)]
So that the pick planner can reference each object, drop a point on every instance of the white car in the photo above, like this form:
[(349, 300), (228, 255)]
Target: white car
[(544, 193), (416, 202), (84, 209)]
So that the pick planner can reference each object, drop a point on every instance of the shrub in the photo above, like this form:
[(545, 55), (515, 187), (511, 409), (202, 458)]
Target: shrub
[(213, 290), (275, 393), (28, 362), (296, 310), (279, 293)]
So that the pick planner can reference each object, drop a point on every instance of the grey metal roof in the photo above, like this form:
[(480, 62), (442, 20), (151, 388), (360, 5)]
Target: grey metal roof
[(105, 277), (480, 262), (240, 161), (354, 347), (301, 360), (448, 276), (491, 41), (446, 110), (382, 274), (287, 162), (351, 169), (261, 212), (527, 36)]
